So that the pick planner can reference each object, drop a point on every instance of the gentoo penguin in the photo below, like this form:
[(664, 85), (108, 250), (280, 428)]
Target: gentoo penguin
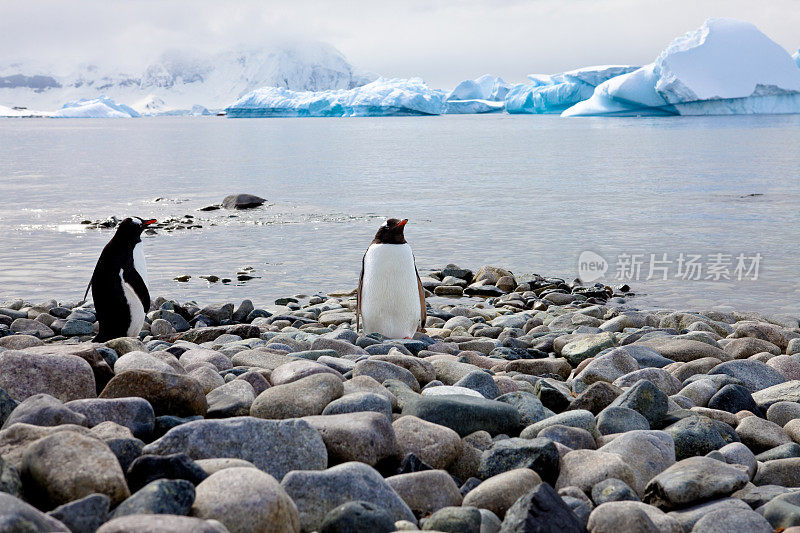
[(119, 283), (391, 300)]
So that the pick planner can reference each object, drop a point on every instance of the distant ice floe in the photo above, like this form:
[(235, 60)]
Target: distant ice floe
[(552, 94), (726, 67), (101, 107), (382, 97)]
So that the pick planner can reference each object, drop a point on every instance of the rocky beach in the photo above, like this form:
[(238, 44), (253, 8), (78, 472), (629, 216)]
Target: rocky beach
[(530, 404)]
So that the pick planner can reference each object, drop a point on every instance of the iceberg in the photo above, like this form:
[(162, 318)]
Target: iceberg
[(725, 67), (383, 97), (473, 107), (796, 57), (487, 87), (101, 107), (550, 94)]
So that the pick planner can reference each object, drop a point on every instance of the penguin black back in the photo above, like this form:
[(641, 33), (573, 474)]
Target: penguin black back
[(119, 288)]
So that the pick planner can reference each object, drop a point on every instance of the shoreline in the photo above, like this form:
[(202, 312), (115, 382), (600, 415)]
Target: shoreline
[(546, 400)]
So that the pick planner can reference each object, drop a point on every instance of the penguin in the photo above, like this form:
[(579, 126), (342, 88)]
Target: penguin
[(119, 283), (390, 297)]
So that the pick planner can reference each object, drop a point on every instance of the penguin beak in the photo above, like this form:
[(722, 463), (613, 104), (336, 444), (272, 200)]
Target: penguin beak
[(148, 222), (402, 223)]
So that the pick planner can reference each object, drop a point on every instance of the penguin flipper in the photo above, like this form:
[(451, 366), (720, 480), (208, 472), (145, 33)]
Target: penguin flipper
[(359, 291), (85, 294), (132, 277), (423, 311)]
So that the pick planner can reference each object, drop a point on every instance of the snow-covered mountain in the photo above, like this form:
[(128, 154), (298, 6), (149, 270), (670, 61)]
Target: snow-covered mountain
[(181, 79)]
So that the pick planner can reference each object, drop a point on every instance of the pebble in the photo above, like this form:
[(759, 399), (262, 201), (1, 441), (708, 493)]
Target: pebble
[(246, 500), (506, 397)]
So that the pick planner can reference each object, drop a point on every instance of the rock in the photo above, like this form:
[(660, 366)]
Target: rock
[(528, 406), (579, 350), (139, 360), (539, 367), (7, 406), (9, 479), (87, 351), (18, 516), (783, 451), (76, 328), (454, 520), (15, 439), (577, 418), (645, 398), (540, 455), (739, 454), (634, 517), (760, 435), (755, 375), (171, 394), (573, 438), (304, 397), (160, 523), (586, 468), (490, 274), (465, 414), (382, 370), (689, 516), (246, 500), (65, 377), (354, 517), (360, 402), (124, 345), (684, 350), (134, 413), (647, 453), (597, 397), (242, 201), (163, 496), (211, 466), (691, 481), (66, 466), (541, 511), (436, 445), (274, 446), (608, 367), (44, 410), (148, 468), (318, 492), (34, 328), (19, 342), (744, 347), (84, 515), (498, 493), (364, 437), (294, 370), (659, 377), (783, 472), (733, 398), (162, 328), (782, 513), (726, 520), (699, 435), (202, 355), (341, 347), (619, 420), (612, 490), (422, 370), (426, 492), (480, 381), (231, 399), (256, 380), (784, 392)]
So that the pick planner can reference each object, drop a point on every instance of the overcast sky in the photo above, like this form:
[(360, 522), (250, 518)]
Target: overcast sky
[(442, 41)]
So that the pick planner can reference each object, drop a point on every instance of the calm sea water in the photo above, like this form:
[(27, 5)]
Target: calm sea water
[(527, 192)]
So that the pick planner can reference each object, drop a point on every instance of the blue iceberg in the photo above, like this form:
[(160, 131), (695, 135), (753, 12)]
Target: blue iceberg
[(796, 57), (481, 95), (551, 94), (381, 98), (726, 67)]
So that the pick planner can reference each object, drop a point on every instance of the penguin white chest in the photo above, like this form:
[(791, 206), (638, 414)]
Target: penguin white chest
[(135, 307), (390, 296)]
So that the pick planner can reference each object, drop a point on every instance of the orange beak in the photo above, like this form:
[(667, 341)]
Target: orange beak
[(148, 222), (402, 223)]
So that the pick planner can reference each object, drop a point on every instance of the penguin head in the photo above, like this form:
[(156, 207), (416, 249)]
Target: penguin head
[(130, 230), (391, 232)]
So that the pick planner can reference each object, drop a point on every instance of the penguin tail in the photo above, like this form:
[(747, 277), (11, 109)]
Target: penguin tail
[(85, 294)]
